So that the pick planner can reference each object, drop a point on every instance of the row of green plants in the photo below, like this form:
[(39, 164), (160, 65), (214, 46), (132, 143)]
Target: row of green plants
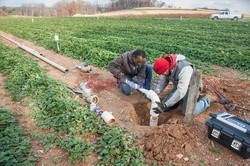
[(14, 144), (98, 41), (54, 107)]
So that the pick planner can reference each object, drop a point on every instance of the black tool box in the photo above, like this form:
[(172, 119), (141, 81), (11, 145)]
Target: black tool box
[(230, 131)]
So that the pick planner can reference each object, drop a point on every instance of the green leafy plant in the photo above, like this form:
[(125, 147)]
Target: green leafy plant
[(202, 163), (77, 148), (202, 41), (53, 107), (116, 147), (215, 150), (50, 140), (14, 146)]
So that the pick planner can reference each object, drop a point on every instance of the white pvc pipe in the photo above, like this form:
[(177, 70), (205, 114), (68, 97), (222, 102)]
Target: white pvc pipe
[(132, 84), (150, 94), (93, 99), (13, 41), (87, 94), (108, 118), (37, 54), (153, 121)]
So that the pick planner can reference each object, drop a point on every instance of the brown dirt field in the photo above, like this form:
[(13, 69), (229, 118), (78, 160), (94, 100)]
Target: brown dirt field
[(159, 12), (246, 16), (172, 137), (156, 12)]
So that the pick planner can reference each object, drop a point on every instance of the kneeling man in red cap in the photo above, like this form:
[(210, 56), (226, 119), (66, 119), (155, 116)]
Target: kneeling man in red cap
[(176, 69)]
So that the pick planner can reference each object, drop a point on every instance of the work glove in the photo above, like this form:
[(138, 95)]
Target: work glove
[(160, 108), (157, 91)]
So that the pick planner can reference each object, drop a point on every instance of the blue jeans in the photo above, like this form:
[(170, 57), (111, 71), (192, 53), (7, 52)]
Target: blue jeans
[(201, 105), (126, 89)]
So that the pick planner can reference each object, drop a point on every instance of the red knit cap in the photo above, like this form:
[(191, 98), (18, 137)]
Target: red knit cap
[(161, 65)]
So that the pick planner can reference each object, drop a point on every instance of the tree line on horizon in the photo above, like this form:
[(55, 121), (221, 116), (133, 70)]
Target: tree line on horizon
[(65, 8)]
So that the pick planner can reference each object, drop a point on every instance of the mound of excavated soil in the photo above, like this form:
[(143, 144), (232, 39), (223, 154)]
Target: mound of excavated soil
[(169, 143)]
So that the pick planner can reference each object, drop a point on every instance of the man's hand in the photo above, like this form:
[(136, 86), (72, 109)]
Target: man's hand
[(160, 108), (121, 74)]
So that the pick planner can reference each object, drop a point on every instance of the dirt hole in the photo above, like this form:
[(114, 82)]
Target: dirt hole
[(142, 117)]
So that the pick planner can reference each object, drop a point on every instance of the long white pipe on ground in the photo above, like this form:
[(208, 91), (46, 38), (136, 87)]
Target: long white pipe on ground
[(150, 94), (37, 54)]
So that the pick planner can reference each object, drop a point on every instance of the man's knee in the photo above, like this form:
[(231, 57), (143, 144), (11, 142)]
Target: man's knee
[(202, 105), (149, 69), (126, 89)]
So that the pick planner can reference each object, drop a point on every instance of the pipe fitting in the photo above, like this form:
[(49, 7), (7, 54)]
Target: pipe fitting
[(150, 94), (92, 99), (87, 94), (108, 118)]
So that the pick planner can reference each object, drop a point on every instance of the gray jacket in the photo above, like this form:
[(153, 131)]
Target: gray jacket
[(125, 64), (180, 76)]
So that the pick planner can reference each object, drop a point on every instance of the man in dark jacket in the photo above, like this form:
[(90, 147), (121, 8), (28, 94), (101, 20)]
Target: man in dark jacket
[(129, 65)]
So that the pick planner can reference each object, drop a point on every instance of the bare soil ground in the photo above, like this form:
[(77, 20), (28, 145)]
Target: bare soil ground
[(156, 12), (171, 142), (159, 12), (246, 16)]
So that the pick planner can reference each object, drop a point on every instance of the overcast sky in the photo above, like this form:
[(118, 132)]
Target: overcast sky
[(233, 5)]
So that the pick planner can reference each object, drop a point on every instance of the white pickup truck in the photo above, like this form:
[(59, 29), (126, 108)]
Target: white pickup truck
[(226, 15)]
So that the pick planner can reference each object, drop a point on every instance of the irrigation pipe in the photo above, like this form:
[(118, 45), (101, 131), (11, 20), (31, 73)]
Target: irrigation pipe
[(37, 54)]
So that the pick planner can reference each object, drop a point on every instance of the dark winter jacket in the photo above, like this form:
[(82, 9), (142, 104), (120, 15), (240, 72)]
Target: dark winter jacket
[(125, 64)]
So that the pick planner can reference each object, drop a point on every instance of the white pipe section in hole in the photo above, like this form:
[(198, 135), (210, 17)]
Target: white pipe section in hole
[(150, 94)]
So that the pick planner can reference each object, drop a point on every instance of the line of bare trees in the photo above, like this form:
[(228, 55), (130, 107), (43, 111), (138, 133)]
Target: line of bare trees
[(72, 7), (129, 4), (64, 8), (61, 8), (34, 10)]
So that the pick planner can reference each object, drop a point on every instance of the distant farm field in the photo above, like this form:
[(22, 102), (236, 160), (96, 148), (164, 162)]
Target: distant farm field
[(157, 12), (100, 40)]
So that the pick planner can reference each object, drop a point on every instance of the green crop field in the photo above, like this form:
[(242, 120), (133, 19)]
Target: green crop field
[(54, 107), (98, 41), (14, 146)]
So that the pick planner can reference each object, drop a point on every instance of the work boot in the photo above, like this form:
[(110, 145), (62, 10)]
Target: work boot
[(211, 97)]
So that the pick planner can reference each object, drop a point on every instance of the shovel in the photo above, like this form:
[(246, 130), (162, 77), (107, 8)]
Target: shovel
[(222, 99), (234, 106)]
